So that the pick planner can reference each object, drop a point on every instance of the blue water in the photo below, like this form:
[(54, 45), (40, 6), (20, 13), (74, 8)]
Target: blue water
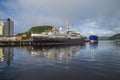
[(89, 62)]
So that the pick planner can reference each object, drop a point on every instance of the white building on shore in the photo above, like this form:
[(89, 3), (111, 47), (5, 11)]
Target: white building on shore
[(7, 28)]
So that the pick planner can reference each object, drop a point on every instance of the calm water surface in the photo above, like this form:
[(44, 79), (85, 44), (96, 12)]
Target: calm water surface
[(89, 62)]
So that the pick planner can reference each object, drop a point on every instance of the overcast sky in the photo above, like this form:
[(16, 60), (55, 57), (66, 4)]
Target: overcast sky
[(86, 16)]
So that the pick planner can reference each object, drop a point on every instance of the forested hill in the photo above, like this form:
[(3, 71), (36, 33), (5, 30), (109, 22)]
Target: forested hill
[(39, 29), (116, 36)]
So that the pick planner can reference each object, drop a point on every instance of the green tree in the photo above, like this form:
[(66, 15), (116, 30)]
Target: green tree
[(39, 29)]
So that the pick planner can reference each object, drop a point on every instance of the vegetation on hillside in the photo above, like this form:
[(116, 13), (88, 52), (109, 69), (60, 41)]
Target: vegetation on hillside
[(116, 36), (39, 29)]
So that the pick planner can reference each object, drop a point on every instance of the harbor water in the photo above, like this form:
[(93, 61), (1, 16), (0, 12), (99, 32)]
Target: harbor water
[(87, 62)]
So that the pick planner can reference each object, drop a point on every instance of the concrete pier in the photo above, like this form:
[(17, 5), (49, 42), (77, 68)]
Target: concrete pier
[(15, 43), (35, 43)]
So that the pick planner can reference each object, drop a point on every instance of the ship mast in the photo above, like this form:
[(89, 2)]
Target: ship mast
[(67, 25)]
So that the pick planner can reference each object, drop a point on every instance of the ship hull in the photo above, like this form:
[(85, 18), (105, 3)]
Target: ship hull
[(93, 41), (55, 41)]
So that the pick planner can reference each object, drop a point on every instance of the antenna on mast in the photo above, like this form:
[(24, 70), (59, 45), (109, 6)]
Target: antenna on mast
[(67, 25)]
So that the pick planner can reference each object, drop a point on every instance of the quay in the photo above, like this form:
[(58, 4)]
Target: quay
[(32, 43), (16, 43)]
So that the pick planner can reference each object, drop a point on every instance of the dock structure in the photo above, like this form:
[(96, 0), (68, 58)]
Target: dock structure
[(34, 43), (15, 43)]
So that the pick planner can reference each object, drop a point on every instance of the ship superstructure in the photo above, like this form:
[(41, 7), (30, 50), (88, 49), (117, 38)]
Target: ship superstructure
[(56, 37)]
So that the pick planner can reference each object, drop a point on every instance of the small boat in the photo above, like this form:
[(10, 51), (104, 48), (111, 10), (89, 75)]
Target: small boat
[(93, 39)]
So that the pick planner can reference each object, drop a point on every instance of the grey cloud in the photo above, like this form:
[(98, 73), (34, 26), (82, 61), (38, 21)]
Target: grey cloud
[(103, 14)]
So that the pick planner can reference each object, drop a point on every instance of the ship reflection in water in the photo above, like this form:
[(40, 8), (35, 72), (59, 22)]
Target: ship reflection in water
[(60, 54), (55, 52), (47, 55), (93, 47)]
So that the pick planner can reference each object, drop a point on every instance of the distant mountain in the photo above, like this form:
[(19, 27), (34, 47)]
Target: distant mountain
[(116, 36)]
